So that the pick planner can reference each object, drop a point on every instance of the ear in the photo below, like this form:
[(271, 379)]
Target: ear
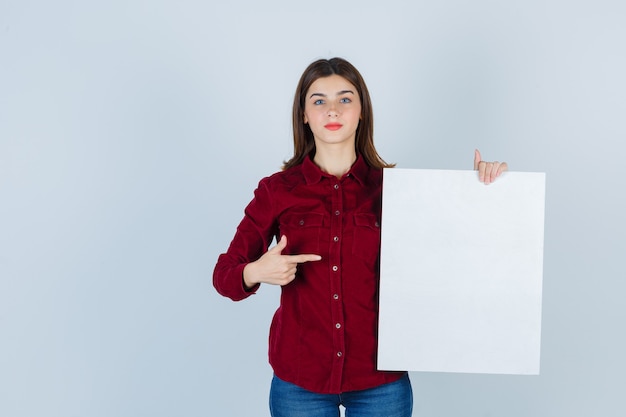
[(305, 119)]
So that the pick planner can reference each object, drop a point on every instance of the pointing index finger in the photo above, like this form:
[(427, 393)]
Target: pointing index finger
[(302, 258)]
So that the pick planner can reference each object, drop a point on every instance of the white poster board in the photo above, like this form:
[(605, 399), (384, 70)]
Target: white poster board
[(461, 272)]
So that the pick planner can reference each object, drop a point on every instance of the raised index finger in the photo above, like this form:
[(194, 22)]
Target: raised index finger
[(477, 158)]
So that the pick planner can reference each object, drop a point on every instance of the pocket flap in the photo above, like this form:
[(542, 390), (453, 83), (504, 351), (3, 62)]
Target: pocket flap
[(304, 219), (366, 219)]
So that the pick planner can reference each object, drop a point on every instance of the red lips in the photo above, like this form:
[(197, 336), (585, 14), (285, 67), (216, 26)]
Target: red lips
[(333, 126)]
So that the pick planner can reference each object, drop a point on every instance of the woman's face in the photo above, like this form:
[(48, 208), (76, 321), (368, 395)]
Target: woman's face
[(332, 109)]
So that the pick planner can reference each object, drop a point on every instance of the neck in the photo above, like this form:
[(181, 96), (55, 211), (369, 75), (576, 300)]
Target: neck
[(334, 161)]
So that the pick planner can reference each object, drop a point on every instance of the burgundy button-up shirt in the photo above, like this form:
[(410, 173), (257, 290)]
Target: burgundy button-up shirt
[(323, 335)]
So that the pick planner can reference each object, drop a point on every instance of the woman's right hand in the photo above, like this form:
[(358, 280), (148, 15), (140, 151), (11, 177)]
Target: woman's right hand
[(275, 268)]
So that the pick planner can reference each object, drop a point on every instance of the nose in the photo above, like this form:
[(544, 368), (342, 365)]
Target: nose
[(332, 110)]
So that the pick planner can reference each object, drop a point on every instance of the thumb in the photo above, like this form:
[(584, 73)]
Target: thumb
[(282, 244), (477, 158)]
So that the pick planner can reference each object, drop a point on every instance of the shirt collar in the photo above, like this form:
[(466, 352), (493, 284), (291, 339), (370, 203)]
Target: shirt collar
[(313, 174)]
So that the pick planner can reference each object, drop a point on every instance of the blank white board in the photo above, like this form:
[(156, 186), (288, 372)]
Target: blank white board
[(461, 272)]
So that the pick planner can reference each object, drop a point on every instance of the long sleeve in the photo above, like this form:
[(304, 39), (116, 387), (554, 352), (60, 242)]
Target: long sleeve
[(253, 237)]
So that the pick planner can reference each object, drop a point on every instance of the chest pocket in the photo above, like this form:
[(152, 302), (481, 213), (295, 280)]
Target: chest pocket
[(303, 231), (366, 243)]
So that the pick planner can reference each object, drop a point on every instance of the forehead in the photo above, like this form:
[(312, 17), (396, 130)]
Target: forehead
[(333, 84)]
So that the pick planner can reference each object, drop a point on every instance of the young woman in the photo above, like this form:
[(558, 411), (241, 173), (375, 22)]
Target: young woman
[(324, 209)]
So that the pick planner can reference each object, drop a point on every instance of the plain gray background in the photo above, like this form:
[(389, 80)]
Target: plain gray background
[(132, 134)]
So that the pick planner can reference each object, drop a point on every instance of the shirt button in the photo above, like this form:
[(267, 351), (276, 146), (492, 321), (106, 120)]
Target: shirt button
[(301, 222), (336, 296), (339, 354), (377, 224), (338, 325), (335, 268), (336, 238), (336, 212), (336, 186)]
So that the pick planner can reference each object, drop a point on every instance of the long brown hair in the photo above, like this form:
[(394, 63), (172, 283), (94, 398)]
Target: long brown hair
[(303, 142)]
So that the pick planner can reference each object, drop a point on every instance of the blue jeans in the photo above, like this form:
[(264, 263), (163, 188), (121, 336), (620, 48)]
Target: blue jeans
[(394, 399)]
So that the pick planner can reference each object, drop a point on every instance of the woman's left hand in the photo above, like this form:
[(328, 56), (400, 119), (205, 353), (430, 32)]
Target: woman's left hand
[(488, 171)]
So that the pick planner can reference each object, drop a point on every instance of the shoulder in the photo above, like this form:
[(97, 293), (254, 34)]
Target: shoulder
[(284, 180), (373, 177), (375, 174)]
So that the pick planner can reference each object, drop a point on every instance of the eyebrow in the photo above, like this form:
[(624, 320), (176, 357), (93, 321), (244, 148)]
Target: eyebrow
[(339, 93)]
